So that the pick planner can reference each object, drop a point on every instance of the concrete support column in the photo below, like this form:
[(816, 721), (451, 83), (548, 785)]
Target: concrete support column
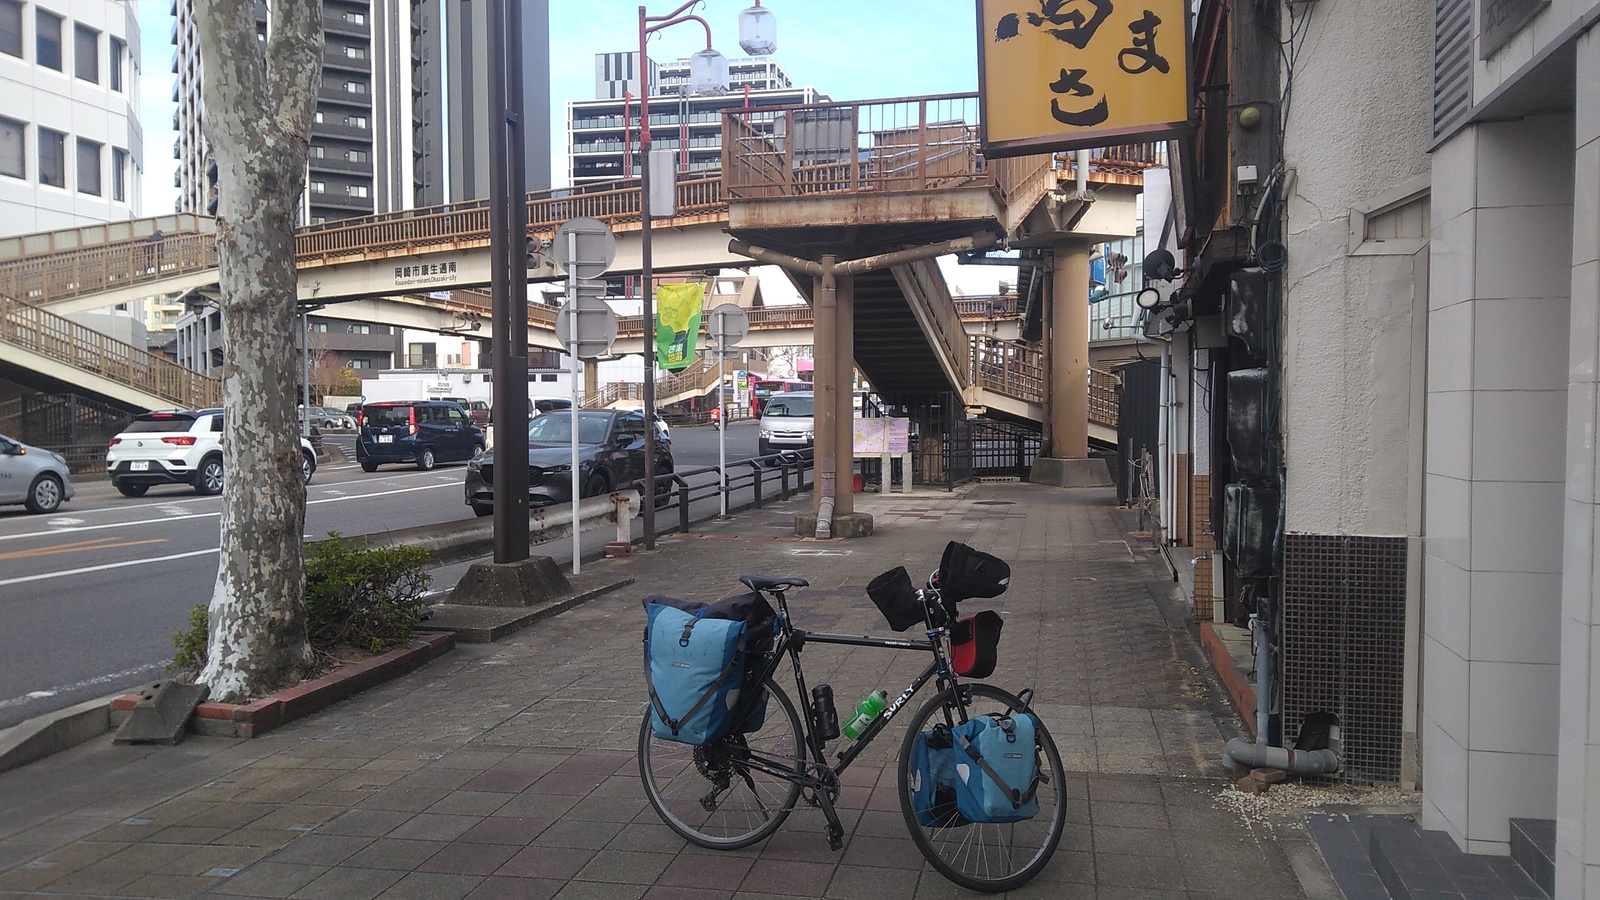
[(591, 379), (1578, 742), (826, 342), (1069, 351), (844, 363)]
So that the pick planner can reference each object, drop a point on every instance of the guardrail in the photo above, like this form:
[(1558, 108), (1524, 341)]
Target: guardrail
[(1009, 368), (757, 473), (64, 341)]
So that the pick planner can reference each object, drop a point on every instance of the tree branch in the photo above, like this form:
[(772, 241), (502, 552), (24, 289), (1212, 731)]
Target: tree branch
[(294, 61)]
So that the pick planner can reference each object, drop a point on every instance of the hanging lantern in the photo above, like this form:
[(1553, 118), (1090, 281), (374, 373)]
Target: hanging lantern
[(708, 73), (758, 30)]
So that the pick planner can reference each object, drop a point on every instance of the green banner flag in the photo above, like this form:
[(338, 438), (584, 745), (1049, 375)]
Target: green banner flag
[(678, 309)]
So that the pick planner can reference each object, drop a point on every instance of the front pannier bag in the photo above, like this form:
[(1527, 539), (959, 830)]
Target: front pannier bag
[(693, 668), (997, 768), (933, 774)]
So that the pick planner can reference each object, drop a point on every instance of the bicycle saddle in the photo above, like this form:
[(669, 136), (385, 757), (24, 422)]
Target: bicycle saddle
[(769, 583)]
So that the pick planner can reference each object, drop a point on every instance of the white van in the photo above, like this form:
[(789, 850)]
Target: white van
[(787, 422)]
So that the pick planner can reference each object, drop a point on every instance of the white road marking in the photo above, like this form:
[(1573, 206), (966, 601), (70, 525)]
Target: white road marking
[(174, 511), (78, 685), (101, 568), (63, 523), (212, 515)]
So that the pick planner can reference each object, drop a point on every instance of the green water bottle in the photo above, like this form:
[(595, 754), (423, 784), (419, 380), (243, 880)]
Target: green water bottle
[(868, 710)]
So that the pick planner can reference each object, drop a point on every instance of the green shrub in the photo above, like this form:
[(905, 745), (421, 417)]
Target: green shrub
[(362, 596), (357, 595), (191, 642)]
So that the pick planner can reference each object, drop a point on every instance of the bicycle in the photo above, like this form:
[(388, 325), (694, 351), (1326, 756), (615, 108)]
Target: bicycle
[(738, 790)]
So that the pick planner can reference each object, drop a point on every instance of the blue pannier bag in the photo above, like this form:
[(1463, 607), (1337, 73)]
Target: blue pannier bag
[(758, 659), (933, 779), (693, 668), (997, 768)]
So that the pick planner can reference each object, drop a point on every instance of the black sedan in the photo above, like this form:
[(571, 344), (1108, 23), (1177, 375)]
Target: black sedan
[(610, 454)]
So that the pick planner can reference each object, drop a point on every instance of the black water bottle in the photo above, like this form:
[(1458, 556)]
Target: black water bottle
[(823, 715)]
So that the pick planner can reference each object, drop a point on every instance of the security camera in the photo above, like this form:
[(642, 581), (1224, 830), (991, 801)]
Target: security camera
[(1107, 325)]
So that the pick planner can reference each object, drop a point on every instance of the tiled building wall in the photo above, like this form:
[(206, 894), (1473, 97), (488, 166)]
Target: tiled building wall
[(1205, 546), (1344, 606)]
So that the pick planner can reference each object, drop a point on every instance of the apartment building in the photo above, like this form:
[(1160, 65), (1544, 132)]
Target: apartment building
[(400, 119), (603, 134)]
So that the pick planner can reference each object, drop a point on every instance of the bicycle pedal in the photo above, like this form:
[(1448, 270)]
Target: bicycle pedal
[(835, 839)]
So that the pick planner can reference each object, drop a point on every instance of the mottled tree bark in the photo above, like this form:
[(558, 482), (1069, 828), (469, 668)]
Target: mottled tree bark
[(259, 98)]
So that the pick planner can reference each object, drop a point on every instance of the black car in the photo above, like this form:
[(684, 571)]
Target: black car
[(610, 450)]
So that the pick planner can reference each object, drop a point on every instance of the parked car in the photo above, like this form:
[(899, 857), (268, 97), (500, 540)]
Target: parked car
[(538, 406), (787, 422), (610, 453), (477, 411), (33, 476), (326, 419), (422, 432), (177, 447)]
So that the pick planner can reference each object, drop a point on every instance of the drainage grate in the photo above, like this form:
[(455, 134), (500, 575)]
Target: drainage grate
[(992, 502)]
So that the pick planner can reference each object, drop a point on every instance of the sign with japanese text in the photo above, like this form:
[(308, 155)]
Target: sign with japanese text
[(422, 274), (1068, 74)]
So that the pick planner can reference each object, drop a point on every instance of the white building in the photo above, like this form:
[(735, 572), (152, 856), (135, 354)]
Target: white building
[(603, 134), (70, 136)]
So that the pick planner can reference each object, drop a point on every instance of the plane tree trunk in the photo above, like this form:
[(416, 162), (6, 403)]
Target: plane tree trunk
[(259, 98)]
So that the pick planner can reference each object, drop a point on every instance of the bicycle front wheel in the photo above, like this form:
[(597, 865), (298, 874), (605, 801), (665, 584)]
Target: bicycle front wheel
[(728, 793), (987, 857)]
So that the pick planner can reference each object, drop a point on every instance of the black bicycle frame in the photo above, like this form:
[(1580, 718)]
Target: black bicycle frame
[(793, 640)]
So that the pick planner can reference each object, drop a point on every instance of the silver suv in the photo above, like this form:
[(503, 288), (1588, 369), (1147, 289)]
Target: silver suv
[(787, 422), (177, 447)]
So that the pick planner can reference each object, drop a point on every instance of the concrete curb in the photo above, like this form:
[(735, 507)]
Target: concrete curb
[(257, 718), (486, 624), (54, 732), (1239, 688)]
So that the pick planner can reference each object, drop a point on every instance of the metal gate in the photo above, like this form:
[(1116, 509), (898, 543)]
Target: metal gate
[(1138, 422), (1002, 449)]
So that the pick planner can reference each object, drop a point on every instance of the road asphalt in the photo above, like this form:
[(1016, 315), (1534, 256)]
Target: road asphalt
[(508, 770)]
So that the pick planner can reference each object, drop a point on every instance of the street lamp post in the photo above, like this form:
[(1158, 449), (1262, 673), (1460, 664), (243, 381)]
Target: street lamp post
[(648, 24)]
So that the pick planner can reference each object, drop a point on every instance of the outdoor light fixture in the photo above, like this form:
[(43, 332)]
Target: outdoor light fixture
[(758, 31), (1149, 298), (708, 74)]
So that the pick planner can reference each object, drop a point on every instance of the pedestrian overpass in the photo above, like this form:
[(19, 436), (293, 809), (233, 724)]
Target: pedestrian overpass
[(848, 180)]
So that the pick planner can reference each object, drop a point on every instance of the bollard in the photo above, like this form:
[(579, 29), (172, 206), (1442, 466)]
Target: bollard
[(783, 480), (756, 484), (683, 505), (627, 508)]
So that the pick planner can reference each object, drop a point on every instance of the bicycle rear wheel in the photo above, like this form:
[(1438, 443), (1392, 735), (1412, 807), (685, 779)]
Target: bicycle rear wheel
[(986, 857), (714, 795)]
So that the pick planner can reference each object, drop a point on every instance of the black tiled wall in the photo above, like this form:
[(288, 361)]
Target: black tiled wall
[(1344, 602)]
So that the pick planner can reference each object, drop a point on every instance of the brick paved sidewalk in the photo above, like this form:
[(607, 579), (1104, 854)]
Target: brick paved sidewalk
[(507, 770)]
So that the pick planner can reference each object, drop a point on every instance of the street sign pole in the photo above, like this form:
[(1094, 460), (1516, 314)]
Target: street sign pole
[(573, 371), (586, 326), (721, 320)]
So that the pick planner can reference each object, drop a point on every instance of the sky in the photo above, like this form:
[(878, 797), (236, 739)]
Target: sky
[(846, 49)]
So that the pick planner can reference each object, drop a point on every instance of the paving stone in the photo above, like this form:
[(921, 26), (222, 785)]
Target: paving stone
[(508, 770)]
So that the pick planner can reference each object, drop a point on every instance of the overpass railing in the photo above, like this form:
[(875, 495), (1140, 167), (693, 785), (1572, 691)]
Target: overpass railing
[(906, 144), (1017, 370), (64, 341), (82, 271)]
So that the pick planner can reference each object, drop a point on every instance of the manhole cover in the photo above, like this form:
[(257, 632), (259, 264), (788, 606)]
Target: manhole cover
[(993, 502)]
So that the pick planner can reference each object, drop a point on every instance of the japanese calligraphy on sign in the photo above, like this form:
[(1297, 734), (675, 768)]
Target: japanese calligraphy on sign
[(1065, 74), (425, 274)]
